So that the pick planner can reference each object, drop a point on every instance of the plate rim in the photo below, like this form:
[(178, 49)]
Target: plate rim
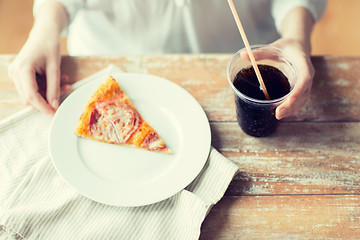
[(97, 80)]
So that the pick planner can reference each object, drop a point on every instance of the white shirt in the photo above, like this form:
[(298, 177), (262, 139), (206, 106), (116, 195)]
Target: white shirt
[(103, 27)]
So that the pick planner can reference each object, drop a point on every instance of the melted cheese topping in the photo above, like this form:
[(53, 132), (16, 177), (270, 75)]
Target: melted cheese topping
[(115, 123)]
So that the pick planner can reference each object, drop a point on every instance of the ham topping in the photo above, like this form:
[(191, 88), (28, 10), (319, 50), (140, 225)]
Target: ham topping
[(153, 142)]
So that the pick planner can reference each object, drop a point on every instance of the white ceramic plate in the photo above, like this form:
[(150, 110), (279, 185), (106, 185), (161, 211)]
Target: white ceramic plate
[(125, 176)]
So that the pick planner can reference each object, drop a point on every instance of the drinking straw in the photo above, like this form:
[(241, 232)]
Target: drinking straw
[(248, 48)]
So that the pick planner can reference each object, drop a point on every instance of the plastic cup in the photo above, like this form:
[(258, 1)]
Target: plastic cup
[(256, 117)]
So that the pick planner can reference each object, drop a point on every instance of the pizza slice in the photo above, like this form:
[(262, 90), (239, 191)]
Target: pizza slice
[(110, 117)]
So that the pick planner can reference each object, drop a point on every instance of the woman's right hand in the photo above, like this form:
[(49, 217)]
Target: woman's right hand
[(40, 56)]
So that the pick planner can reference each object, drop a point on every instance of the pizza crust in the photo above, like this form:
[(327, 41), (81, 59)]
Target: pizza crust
[(109, 116)]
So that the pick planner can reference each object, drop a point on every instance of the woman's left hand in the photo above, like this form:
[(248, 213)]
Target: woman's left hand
[(301, 56)]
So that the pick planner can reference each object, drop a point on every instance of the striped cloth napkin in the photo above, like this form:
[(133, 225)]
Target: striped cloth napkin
[(36, 202)]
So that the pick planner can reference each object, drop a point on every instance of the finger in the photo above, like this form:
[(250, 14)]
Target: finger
[(286, 108), (301, 93), (41, 104), (296, 100), (260, 54), (31, 95), (65, 89), (64, 79), (53, 83)]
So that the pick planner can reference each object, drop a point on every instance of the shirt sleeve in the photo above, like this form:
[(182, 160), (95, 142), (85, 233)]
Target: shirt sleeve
[(280, 8), (71, 8)]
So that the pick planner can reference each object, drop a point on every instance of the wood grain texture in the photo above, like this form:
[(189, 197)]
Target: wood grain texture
[(300, 158), (334, 97), (284, 217), (300, 183)]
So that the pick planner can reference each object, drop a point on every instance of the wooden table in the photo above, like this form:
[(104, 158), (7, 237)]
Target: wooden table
[(303, 182)]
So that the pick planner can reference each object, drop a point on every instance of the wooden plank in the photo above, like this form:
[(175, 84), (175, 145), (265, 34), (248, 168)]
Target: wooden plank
[(284, 217), (301, 182), (300, 158), (335, 95)]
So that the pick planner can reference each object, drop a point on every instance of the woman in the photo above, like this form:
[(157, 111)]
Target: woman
[(170, 26)]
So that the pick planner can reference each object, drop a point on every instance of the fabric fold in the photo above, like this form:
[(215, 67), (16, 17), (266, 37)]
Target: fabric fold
[(37, 203)]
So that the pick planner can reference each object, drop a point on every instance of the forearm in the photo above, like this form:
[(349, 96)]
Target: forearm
[(298, 25), (51, 18)]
